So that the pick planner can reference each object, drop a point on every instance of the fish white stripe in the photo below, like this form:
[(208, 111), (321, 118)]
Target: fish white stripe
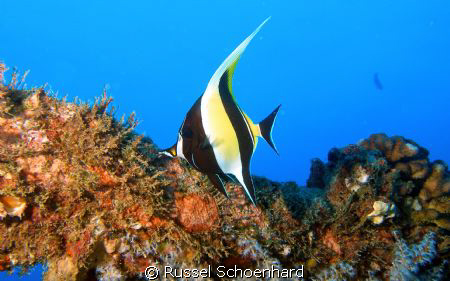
[(180, 142), (180, 147), (193, 162), (240, 178)]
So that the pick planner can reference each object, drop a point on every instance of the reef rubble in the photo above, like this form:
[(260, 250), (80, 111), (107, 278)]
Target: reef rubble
[(84, 194)]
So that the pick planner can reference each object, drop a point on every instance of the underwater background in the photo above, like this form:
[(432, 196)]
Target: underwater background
[(342, 70)]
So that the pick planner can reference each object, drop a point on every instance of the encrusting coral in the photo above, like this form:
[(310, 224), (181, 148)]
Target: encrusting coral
[(81, 192), (381, 211)]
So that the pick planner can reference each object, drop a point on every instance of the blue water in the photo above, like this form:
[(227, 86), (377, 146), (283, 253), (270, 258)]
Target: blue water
[(316, 58)]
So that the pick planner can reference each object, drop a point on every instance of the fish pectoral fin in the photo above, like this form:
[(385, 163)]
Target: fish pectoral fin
[(218, 183), (207, 143)]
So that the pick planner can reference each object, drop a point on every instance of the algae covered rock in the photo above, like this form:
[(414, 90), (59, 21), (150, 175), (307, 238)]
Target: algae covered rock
[(83, 193), (376, 188)]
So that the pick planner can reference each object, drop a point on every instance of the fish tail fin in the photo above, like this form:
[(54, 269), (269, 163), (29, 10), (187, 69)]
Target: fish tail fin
[(171, 151), (266, 127), (229, 64)]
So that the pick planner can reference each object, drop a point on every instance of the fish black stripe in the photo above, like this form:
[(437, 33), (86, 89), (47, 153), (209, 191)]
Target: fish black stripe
[(201, 158), (244, 136), (248, 126)]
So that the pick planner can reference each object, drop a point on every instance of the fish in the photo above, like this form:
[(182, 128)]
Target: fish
[(377, 82), (216, 136)]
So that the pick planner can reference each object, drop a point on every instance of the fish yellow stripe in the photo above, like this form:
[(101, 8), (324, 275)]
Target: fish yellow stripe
[(219, 131), (256, 132)]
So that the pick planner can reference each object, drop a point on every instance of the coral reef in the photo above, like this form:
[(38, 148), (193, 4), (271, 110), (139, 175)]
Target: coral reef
[(410, 263), (341, 271), (82, 193), (388, 183)]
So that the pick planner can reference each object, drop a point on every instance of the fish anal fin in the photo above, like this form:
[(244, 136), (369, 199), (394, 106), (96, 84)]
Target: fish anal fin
[(245, 179), (217, 182), (266, 127)]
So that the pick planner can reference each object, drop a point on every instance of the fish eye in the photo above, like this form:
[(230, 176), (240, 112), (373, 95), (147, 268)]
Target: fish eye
[(187, 132)]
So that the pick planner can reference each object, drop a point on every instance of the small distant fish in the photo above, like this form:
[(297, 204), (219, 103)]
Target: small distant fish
[(377, 82), (217, 137)]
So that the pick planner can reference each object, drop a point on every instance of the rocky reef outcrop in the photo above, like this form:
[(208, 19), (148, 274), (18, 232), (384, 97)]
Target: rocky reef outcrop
[(385, 190), (84, 194)]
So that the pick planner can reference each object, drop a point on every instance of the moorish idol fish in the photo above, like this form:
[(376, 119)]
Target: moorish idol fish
[(217, 137)]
